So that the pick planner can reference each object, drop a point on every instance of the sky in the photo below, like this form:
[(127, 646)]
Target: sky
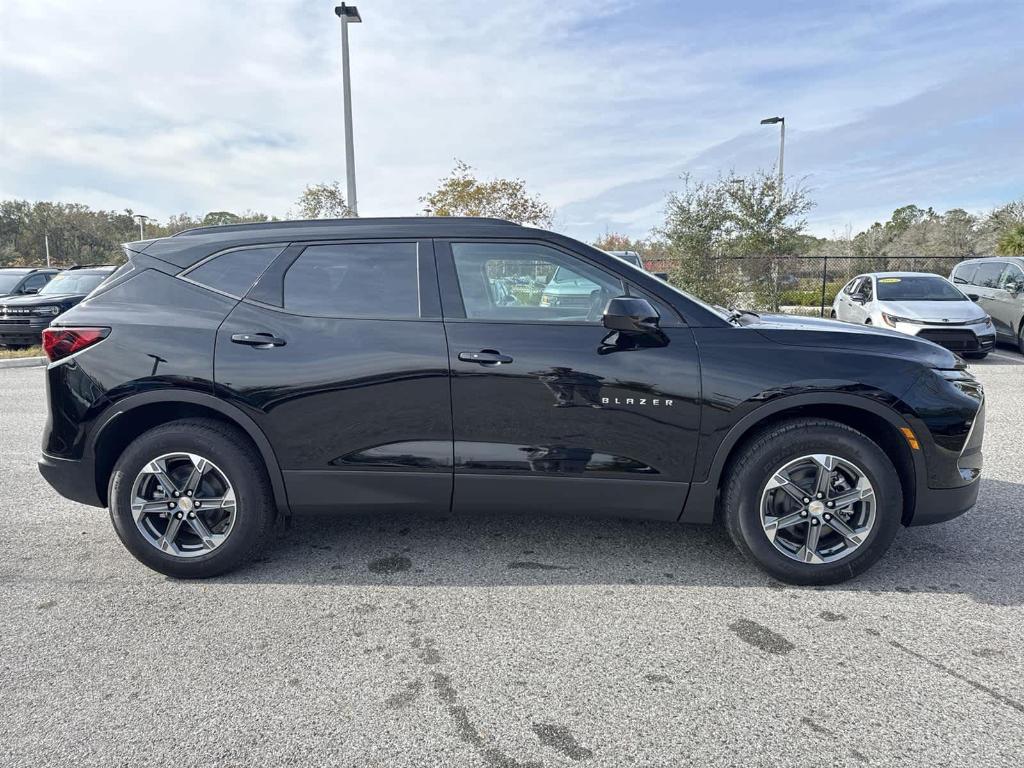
[(195, 105)]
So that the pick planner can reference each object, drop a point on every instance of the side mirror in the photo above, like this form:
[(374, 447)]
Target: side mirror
[(28, 291), (856, 298), (973, 296), (631, 316), (1014, 287)]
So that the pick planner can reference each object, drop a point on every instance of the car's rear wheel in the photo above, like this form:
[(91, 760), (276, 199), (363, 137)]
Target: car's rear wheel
[(191, 499), (1020, 338), (812, 501), (833, 315)]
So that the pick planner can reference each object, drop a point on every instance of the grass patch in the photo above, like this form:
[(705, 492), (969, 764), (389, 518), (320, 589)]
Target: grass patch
[(9, 354)]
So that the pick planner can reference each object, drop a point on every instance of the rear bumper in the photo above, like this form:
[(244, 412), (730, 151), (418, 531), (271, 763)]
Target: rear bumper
[(937, 505), (73, 479)]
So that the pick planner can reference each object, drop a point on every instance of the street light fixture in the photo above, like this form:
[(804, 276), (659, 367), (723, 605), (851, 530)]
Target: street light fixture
[(141, 218), (348, 14), (782, 144)]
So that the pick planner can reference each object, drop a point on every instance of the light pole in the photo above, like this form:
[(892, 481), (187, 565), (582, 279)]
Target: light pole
[(141, 218), (782, 144), (348, 14)]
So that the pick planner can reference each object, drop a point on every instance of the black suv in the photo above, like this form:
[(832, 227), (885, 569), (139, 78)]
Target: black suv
[(23, 318), (22, 281), (230, 376)]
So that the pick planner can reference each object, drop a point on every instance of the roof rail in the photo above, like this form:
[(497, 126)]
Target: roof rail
[(349, 222), (87, 266)]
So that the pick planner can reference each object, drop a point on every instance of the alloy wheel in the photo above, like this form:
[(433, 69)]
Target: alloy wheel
[(818, 508), (183, 504)]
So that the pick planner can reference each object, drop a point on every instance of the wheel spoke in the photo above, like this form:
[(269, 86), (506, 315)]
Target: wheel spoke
[(166, 542), (159, 471), (773, 525), (782, 482), (825, 465), (809, 552), (199, 465), (142, 508), (851, 537), (209, 539), (862, 492)]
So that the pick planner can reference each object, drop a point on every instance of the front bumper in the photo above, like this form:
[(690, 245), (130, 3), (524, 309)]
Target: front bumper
[(73, 479), (937, 505), (23, 330), (974, 338)]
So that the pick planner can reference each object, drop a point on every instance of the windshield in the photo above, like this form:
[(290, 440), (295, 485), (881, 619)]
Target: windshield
[(72, 282), (917, 288), (8, 283)]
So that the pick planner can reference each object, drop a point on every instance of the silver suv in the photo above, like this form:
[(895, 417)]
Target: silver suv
[(998, 284)]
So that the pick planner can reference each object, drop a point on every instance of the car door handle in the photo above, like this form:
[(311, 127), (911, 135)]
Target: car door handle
[(258, 340), (485, 357)]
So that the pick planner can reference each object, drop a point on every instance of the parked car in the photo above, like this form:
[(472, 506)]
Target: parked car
[(920, 304), (631, 257), (22, 281), (235, 375), (998, 284), (23, 318)]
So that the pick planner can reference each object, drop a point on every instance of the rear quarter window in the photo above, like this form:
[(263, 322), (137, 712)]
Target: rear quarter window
[(234, 272)]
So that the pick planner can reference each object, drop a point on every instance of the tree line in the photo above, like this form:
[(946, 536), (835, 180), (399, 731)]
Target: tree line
[(735, 237)]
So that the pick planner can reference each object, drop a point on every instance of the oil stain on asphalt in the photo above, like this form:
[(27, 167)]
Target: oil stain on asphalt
[(391, 564), (761, 637)]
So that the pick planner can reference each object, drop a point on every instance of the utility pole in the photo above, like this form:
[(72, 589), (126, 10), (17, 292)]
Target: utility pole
[(46, 240), (348, 14)]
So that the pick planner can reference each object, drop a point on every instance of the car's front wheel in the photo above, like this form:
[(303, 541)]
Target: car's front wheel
[(191, 498), (812, 501)]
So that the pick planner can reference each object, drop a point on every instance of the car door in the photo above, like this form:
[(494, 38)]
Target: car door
[(548, 412), (860, 300), (844, 301), (1007, 304), (338, 353), (986, 285)]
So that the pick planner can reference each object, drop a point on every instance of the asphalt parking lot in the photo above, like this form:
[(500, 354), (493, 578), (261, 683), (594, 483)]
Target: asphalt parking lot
[(523, 641)]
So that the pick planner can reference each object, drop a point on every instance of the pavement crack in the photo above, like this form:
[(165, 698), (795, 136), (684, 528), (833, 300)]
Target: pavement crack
[(1002, 698)]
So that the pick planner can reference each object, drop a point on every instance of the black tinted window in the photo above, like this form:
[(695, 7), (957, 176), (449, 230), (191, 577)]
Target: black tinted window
[(988, 274), (234, 272), (354, 280)]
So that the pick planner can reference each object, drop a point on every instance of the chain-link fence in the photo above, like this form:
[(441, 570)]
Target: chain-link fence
[(803, 285)]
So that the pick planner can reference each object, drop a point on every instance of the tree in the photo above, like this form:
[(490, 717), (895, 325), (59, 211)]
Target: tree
[(323, 201), (731, 236), (462, 194), (1011, 242), (613, 241)]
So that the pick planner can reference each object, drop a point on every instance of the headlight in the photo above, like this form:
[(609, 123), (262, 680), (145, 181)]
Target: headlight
[(545, 300), (52, 311), (986, 320), (891, 320)]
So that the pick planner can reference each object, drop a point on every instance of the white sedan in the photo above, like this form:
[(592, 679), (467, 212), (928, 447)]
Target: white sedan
[(919, 304)]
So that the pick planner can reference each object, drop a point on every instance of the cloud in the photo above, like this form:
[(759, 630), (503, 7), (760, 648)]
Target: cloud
[(210, 106)]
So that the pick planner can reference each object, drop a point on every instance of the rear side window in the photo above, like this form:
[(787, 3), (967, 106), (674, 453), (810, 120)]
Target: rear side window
[(988, 274), (234, 272), (355, 280)]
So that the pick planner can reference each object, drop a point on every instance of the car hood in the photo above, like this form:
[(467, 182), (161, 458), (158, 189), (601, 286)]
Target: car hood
[(41, 301), (933, 311), (816, 332)]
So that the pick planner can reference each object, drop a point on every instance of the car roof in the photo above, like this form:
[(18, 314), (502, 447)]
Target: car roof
[(27, 270), (188, 247), (1019, 260), (902, 274), (91, 269)]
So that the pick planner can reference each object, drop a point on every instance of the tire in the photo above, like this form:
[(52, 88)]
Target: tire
[(833, 315), (754, 469), (228, 456), (1020, 338)]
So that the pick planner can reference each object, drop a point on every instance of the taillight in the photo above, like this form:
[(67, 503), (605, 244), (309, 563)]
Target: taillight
[(58, 343)]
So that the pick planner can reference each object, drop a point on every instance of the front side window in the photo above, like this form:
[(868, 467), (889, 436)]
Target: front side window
[(34, 283), (851, 287), (379, 280), (234, 272), (530, 282), (988, 274)]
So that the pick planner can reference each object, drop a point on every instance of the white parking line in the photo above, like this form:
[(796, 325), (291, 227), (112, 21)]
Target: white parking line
[(1018, 361)]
